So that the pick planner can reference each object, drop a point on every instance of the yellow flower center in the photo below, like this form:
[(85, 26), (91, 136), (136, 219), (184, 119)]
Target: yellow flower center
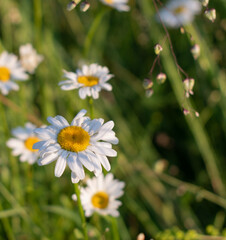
[(109, 1), (179, 10), (73, 138), (88, 81), (4, 74), (100, 200), (29, 142)]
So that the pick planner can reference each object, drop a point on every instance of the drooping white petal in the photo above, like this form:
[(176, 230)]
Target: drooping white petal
[(48, 158), (61, 164)]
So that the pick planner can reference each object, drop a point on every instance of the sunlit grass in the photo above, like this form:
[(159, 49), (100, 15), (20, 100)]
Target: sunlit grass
[(189, 192)]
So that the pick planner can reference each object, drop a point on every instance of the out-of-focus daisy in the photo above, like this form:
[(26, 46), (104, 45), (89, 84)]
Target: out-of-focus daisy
[(120, 5), (84, 142), (179, 12), (10, 70), (23, 142), (90, 80), (101, 195), (29, 58)]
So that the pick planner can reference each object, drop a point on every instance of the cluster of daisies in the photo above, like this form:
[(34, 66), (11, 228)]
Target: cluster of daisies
[(83, 143), (14, 69)]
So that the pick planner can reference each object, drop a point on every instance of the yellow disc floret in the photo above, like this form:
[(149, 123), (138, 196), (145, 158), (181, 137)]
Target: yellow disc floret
[(88, 81), (179, 10), (73, 138), (4, 74), (100, 200), (29, 142), (109, 1)]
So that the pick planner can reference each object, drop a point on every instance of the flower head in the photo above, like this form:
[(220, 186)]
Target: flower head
[(90, 80), (120, 5), (84, 142), (10, 70), (179, 12), (101, 195), (29, 58), (23, 142)]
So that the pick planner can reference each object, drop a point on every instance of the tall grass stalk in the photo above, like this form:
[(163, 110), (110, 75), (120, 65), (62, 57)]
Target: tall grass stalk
[(194, 123), (81, 212)]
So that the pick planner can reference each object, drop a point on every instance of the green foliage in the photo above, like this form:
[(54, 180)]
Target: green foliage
[(36, 205)]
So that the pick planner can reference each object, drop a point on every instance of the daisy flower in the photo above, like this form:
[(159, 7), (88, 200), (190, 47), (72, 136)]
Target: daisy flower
[(29, 58), (101, 195), (23, 142), (84, 142), (179, 12), (90, 80), (10, 70), (120, 5)]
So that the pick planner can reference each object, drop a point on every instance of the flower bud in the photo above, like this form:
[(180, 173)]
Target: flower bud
[(71, 5), (211, 14), (147, 83), (186, 112), (161, 78), (196, 114), (158, 48), (84, 6), (149, 92), (205, 2), (188, 86), (195, 50), (182, 30), (141, 236)]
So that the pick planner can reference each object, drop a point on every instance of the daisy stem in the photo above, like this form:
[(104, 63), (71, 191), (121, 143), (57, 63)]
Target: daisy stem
[(81, 212), (115, 231), (90, 101)]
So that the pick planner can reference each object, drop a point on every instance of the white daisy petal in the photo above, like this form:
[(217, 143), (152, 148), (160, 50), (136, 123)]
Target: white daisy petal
[(103, 151), (22, 144), (98, 197), (76, 144), (89, 80), (104, 161), (74, 178), (177, 13), (61, 164), (29, 58), (48, 158), (76, 166), (83, 158), (10, 71)]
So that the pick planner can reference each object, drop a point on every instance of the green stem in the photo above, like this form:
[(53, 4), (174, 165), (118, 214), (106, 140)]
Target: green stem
[(37, 22), (115, 231), (90, 102), (208, 64), (92, 30), (194, 123), (8, 228), (81, 212)]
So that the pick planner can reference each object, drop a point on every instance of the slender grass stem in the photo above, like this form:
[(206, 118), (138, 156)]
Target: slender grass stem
[(174, 182), (7, 227), (37, 22), (90, 103), (115, 231), (92, 31), (81, 212), (195, 125)]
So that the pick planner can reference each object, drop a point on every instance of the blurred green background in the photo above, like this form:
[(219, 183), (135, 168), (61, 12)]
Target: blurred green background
[(158, 144)]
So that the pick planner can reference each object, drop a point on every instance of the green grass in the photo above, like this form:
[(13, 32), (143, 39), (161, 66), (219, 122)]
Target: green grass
[(190, 193)]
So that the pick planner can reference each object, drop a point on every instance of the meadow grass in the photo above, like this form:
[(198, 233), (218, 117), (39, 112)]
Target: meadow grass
[(190, 193)]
